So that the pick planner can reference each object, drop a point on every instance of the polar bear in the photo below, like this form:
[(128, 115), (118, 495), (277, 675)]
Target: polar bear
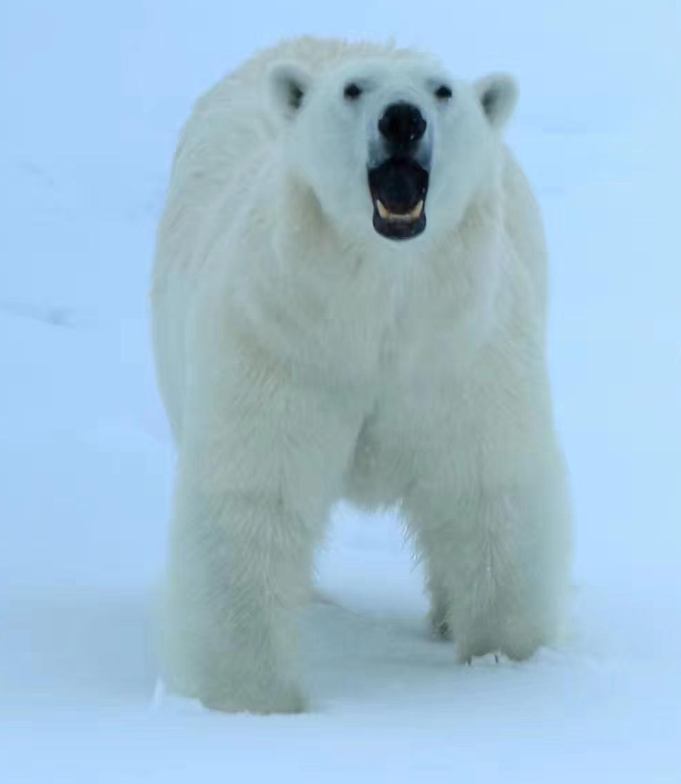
[(349, 301)]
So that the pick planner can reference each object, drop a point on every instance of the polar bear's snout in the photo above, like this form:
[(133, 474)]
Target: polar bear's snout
[(398, 171)]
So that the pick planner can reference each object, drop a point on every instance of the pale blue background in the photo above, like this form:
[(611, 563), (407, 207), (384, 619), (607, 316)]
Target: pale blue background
[(91, 99)]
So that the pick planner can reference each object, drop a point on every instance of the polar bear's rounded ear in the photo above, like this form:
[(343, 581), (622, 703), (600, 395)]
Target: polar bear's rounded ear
[(498, 95), (288, 85)]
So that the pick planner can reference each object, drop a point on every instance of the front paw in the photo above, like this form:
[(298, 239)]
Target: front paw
[(231, 682), (280, 699), (516, 640)]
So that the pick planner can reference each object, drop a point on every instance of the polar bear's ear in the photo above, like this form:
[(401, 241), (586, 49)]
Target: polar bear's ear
[(498, 95), (288, 85)]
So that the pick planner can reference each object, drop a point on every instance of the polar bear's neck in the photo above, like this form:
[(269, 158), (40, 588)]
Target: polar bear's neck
[(304, 231), (307, 241), (333, 296)]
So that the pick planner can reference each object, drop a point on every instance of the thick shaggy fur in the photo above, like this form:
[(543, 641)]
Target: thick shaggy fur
[(303, 358)]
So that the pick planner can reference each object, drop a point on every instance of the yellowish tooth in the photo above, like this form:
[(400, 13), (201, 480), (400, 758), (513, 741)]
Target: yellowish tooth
[(406, 217), (382, 211)]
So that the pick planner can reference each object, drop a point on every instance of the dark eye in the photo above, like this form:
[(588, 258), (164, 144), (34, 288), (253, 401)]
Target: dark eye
[(443, 93), (352, 91)]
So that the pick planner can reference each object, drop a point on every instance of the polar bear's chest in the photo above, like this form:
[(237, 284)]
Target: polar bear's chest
[(435, 342)]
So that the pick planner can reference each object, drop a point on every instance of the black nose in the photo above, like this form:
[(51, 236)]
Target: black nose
[(402, 124)]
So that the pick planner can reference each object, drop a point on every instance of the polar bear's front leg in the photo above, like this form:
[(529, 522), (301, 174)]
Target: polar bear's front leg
[(254, 489), (239, 570), (497, 562)]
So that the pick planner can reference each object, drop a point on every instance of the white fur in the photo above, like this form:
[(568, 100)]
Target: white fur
[(303, 358)]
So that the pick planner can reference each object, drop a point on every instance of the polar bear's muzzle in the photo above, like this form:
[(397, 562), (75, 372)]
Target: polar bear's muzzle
[(398, 188)]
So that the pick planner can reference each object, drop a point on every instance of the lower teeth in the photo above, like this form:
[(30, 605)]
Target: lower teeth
[(408, 217)]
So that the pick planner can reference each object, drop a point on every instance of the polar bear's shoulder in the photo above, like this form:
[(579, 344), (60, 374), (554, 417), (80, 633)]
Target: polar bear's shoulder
[(523, 223)]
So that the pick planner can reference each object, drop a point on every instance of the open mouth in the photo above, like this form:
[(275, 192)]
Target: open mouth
[(398, 190)]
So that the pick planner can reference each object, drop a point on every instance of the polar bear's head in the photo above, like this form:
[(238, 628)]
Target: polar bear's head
[(392, 145)]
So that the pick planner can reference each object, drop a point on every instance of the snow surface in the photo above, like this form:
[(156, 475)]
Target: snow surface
[(92, 97)]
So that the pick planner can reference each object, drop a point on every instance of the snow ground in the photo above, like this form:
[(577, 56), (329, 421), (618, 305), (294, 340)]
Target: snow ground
[(93, 95)]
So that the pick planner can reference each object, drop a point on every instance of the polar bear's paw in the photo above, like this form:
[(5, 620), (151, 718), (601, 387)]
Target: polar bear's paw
[(283, 699)]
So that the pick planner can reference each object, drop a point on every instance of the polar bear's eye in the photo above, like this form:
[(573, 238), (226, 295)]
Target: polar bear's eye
[(443, 93), (352, 91)]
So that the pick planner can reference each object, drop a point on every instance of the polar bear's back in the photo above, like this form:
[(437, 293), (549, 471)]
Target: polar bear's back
[(236, 113), (245, 86)]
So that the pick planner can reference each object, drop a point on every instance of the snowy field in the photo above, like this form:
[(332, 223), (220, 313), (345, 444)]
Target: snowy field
[(92, 96)]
